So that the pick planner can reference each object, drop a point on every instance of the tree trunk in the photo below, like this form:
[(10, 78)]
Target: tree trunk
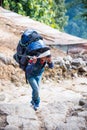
[(1, 2)]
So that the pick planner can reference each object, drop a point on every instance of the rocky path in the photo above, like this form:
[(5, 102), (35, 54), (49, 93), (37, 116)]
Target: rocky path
[(63, 106)]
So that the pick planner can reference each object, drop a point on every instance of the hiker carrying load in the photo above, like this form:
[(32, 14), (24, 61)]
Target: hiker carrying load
[(33, 61)]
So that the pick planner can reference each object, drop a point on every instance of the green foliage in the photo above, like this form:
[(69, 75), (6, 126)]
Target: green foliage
[(85, 11), (60, 11), (50, 12), (14, 6), (75, 3), (43, 11), (77, 26)]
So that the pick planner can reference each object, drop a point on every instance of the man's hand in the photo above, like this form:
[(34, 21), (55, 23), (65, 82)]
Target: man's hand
[(34, 59), (49, 59)]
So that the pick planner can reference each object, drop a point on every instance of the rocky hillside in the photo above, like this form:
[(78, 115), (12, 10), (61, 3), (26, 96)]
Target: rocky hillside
[(67, 79)]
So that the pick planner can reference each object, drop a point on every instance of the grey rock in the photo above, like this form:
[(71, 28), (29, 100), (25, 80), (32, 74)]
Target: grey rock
[(74, 67), (83, 114), (82, 69), (68, 64), (6, 60), (73, 121), (63, 66), (11, 127), (20, 116), (72, 126), (2, 97), (59, 60), (78, 62), (68, 58), (82, 102), (14, 120)]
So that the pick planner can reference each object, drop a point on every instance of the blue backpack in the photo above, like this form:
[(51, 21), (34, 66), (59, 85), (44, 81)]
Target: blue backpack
[(30, 44)]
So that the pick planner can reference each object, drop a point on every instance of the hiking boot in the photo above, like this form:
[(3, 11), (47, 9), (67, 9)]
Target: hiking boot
[(36, 106), (32, 102)]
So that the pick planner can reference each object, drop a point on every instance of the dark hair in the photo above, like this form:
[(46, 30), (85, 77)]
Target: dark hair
[(48, 56)]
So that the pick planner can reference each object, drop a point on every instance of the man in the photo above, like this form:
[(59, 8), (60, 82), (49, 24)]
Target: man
[(34, 71)]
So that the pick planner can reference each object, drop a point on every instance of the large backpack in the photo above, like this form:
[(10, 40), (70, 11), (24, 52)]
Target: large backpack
[(30, 44)]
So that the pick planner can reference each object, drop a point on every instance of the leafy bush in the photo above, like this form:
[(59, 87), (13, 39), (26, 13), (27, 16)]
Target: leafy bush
[(49, 12)]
